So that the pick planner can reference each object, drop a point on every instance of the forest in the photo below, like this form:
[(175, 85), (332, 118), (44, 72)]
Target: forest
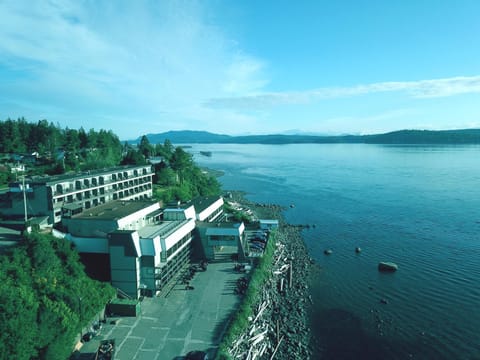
[(59, 151), (45, 298)]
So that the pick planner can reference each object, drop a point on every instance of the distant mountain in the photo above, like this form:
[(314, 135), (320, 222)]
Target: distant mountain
[(186, 137), (467, 136)]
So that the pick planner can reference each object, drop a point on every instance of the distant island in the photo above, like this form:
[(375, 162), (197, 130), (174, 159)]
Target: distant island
[(466, 136)]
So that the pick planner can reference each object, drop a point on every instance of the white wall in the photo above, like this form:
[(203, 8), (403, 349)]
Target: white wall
[(173, 238), (210, 210), (136, 219)]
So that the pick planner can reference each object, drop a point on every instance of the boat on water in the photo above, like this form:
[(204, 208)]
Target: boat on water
[(387, 266), (206, 153)]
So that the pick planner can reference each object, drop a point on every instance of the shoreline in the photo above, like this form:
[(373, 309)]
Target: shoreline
[(288, 314)]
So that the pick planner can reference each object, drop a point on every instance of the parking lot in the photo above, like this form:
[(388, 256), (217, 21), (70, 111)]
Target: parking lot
[(177, 321)]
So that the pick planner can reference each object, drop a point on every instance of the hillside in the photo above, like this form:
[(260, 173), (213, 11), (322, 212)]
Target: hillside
[(186, 137), (467, 136)]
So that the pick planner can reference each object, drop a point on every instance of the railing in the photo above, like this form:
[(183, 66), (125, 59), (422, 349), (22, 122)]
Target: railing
[(143, 180), (122, 294)]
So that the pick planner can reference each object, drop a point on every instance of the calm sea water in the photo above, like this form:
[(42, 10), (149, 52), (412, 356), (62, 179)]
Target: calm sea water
[(414, 205)]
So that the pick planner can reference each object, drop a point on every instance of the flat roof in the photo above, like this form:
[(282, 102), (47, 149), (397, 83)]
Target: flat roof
[(200, 203), (163, 229), (222, 225), (72, 206), (114, 210)]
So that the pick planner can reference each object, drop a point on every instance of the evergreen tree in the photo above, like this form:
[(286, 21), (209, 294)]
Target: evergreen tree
[(41, 287), (145, 148)]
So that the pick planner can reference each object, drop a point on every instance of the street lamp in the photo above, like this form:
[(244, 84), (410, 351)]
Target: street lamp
[(80, 315)]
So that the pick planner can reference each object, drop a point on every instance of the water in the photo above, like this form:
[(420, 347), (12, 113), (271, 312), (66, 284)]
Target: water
[(414, 205)]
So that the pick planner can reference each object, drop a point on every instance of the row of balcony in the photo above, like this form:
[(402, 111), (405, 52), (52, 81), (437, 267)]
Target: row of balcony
[(61, 190), (79, 196), (166, 273), (127, 193)]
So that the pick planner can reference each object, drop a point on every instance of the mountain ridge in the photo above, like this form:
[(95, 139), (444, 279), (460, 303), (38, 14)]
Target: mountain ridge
[(462, 136)]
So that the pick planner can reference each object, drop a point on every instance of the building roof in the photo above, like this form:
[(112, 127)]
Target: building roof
[(234, 229), (225, 225), (222, 228), (114, 210), (177, 206), (9, 234), (163, 229), (179, 209), (73, 206), (200, 203), (203, 202), (9, 237)]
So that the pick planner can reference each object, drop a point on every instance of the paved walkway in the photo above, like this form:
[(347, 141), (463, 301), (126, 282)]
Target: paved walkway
[(176, 322)]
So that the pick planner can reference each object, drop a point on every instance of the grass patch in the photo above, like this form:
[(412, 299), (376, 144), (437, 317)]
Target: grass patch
[(239, 322)]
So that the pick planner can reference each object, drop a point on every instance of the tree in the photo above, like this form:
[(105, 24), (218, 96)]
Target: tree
[(165, 176), (18, 308), (166, 150), (145, 148), (40, 284), (71, 146), (109, 146), (181, 162), (183, 192), (133, 157), (18, 318), (82, 138)]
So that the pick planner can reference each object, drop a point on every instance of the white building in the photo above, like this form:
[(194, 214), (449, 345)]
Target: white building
[(142, 247), (66, 195)]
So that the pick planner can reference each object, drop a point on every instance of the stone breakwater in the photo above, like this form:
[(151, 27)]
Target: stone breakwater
[(280, 328)]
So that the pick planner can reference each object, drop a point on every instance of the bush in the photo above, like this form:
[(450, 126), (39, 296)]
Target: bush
[(239, 323)]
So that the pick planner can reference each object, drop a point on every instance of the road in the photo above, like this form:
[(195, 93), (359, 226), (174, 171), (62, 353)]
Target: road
[(177, 321)]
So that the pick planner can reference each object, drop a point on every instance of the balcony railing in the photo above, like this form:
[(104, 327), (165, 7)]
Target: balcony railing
[(116, 184)]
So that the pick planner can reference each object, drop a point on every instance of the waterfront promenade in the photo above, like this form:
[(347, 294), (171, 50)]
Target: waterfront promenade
[(177, 321)]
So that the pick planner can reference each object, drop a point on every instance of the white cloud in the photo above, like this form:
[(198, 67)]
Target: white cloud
[(152, 60), (165, 65), (416, 89), (374, 123), (244, 75)]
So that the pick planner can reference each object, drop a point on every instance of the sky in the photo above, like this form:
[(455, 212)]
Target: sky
[(242, 67)]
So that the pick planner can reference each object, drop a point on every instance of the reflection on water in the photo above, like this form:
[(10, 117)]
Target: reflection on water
[(415, 206)]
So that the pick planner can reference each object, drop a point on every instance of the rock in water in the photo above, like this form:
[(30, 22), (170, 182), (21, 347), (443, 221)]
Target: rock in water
[(387, 266)]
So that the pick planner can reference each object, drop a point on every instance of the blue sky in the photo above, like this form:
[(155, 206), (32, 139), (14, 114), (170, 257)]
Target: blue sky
[(242, 67)]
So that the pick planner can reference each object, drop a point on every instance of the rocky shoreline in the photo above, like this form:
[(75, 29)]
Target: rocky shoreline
[(285, 308)]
